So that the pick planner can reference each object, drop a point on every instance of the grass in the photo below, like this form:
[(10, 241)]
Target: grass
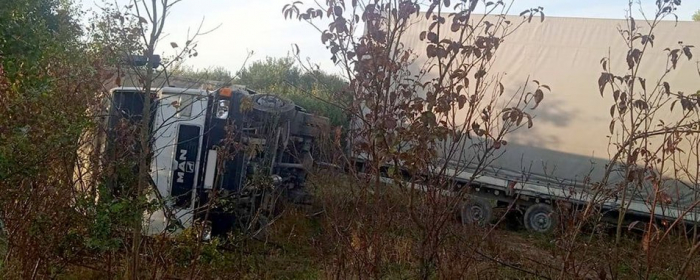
[(349, 236)]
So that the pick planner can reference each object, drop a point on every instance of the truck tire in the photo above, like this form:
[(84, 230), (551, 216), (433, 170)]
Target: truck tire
[(540, 218), (476, 210), (270, 104)]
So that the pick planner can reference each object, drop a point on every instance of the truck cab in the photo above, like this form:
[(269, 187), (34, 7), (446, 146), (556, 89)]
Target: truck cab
[(211, 146)]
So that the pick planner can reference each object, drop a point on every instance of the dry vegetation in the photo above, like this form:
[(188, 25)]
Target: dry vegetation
[(59, 226)]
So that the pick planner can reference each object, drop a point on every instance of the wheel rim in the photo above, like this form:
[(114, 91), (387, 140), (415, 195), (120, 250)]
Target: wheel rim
[(477, 213), (541, 221), (271, 101)]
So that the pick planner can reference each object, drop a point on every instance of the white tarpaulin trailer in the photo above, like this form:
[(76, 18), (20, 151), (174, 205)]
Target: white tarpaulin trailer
[(570, 139)]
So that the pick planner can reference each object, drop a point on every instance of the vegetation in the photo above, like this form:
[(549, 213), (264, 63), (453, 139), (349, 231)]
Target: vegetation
[(310, 90), (68, 214)]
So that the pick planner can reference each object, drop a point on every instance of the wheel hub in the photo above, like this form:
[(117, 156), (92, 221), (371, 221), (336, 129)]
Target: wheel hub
[(541, 221), (476, 213)]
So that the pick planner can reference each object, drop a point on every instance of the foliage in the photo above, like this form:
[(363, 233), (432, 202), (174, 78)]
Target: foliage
[(315, 91), (416, 120), (220, 74), (48, 79), (696, 15), (35, 30), (56, 223)]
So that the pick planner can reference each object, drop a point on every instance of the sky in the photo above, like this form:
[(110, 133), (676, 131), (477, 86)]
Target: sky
[(259, 26)]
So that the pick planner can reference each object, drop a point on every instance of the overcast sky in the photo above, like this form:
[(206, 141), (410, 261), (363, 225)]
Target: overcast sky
[(259, 25)]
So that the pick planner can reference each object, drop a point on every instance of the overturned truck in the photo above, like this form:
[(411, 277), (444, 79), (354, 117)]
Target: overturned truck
[(222, 158)]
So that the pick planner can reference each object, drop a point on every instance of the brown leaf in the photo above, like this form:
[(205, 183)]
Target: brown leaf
[(612, 126), (686, 51), (641, 104), (173, 44), (461, 100), (602, 81), (338, 11), (674, 58), (612, 110), (633, 57), (633, 24), (432, 37), (539, 95)]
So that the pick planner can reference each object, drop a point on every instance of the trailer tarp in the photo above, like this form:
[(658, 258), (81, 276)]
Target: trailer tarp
[(570, 137)]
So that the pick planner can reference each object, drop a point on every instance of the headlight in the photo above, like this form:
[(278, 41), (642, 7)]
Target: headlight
[(206, 232), (222, 109)]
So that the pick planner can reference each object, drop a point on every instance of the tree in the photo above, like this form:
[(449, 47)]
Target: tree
[(696, 15), (405, 120), (48, 79), (311, 90), (653, 138), (219, 74), (130, 34)]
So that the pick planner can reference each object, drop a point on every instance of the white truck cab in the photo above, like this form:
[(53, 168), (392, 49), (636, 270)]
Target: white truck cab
[(213, 141)]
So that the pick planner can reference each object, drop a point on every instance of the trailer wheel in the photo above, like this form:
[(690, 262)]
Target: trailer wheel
[(476, 211), (540, 218)]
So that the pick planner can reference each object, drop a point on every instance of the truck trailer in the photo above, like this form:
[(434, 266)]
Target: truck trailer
[(569, 145)]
